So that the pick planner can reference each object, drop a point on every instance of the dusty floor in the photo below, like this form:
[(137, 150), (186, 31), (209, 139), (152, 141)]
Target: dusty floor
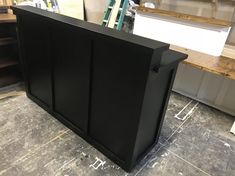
[(195, 142)]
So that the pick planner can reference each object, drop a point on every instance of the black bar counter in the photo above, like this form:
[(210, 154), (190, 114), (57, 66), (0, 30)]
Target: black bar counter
[(110, 87)]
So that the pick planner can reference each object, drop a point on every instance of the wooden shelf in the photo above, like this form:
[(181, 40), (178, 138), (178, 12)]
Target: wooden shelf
[(9, 79), (7, 41), (10, 73), (183, 16), (219, 65), (7, 62), (7, 18)]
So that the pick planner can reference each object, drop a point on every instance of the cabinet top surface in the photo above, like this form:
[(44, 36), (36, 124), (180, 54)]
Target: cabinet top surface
[(107, 32), (188, 17)]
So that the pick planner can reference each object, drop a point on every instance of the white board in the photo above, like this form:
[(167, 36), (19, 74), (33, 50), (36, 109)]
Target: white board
[(72, 8), (205, 38)]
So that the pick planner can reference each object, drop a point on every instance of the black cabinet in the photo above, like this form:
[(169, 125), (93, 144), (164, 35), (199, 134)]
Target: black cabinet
[(110, 87)]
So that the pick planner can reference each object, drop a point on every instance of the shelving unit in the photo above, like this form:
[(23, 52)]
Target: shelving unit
[(7, 18), (9, 61), (7, 41)]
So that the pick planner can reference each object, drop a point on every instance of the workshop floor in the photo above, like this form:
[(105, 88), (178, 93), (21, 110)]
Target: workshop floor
[(195, 142)]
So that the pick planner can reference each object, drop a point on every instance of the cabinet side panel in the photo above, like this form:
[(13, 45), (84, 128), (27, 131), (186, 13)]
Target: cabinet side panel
[(119, 78), (153, 111)]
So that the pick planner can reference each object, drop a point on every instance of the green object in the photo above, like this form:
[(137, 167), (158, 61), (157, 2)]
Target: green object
[(120, 17)]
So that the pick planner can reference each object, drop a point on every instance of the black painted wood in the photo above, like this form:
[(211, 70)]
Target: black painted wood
[(38, 58), (110, 87), (71, 73)]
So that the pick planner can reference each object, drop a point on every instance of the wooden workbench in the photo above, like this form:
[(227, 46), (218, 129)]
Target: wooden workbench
[(219, 65)]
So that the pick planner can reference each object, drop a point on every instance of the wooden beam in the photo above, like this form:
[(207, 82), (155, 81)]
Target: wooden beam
[(188, 17)]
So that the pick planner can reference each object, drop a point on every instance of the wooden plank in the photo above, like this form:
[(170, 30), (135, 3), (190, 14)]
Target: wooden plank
[(188, 17), (7, 62), (219, 65), (7, 41), (114, 13), (7, 18)]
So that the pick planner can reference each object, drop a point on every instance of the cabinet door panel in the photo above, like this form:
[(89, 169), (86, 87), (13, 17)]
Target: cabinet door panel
[(37, 57), (71, 57), (117, 93)]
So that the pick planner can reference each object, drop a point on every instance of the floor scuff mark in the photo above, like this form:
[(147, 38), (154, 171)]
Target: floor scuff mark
[(177, 115), (96, 165), (188, 113)]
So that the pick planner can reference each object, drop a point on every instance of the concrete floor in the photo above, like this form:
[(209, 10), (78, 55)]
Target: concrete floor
[(195, 142)]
